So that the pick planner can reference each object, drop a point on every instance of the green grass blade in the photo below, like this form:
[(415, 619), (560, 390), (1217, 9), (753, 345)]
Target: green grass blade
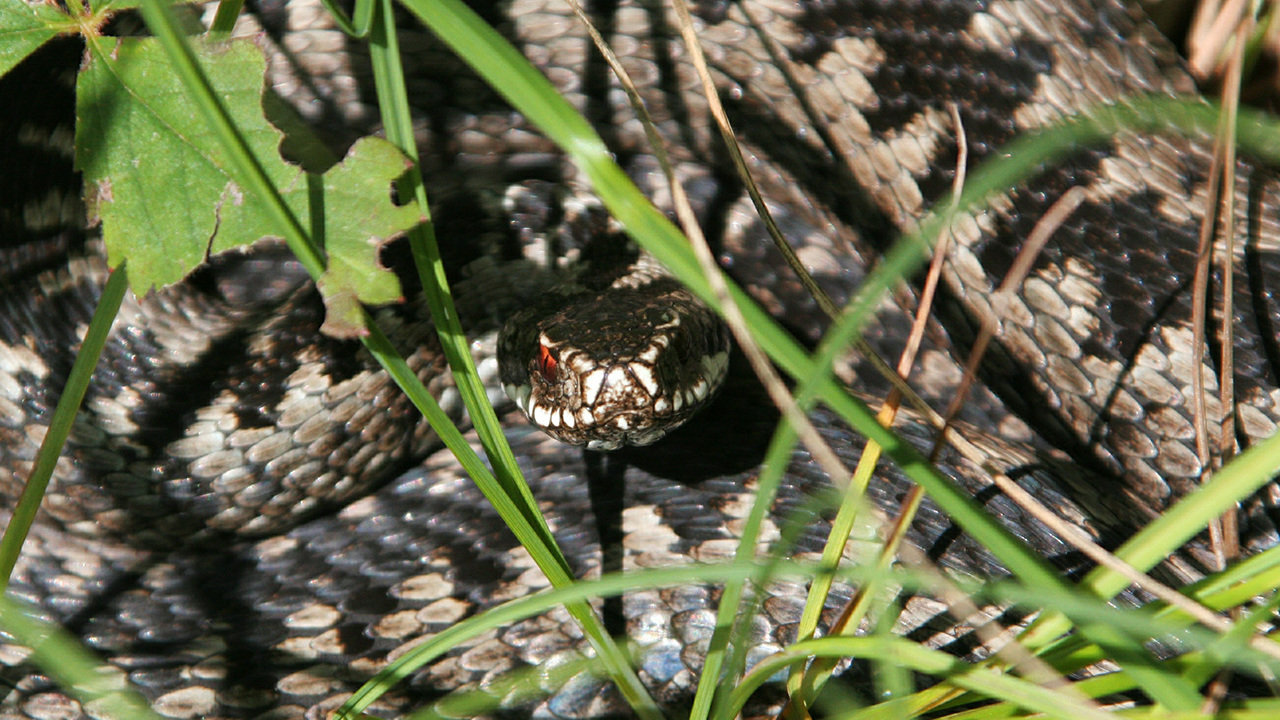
[(1242, 477), (64, 415), (394, 103), (907, 654), (58, 653), (713, 679), (605, 586)]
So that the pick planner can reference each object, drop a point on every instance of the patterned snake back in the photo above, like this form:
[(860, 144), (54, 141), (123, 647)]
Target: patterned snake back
[(251, 521)]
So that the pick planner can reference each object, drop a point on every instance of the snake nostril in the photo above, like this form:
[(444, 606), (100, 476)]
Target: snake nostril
[(547, 363)]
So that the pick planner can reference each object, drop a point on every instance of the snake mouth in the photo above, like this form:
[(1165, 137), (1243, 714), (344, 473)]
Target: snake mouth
[(610, 407)]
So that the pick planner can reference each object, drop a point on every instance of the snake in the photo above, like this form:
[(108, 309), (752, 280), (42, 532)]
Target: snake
[(300, 526)]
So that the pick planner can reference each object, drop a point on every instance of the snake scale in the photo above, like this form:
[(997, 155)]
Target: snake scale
[(246, 580)]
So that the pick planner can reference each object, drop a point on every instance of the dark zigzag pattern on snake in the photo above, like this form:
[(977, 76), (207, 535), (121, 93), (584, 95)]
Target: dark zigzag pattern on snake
[(846, 120)]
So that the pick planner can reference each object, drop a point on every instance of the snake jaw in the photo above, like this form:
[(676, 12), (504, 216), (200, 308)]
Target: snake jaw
[(620, 366)]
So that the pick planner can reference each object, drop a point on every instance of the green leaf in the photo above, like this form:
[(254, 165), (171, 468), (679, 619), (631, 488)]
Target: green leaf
[(23, 28), (137, 132), (359, 216)]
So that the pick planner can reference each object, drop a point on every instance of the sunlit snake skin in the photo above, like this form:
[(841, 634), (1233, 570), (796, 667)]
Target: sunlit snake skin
[(843, 107)]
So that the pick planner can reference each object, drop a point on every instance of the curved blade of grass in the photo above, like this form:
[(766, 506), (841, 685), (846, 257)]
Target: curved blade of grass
[(1146, 623), (905, 653), (1235, 587), (64, 414), (394, 103), (1258, 133), (68, 662), (1243, 476), (605, 586)]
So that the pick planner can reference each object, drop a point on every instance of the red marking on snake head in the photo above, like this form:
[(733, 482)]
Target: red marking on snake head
[(547, 363)]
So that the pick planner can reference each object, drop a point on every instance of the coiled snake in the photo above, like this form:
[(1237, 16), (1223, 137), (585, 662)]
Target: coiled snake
[(268, 556)]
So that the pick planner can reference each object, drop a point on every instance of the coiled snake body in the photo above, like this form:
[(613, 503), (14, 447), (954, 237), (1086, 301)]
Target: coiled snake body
[(269, 555)]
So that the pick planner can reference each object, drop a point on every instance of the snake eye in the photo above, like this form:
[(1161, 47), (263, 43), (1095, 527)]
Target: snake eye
[(547, 363)]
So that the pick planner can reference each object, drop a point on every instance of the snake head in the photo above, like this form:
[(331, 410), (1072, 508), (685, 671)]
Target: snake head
[(619, 366)]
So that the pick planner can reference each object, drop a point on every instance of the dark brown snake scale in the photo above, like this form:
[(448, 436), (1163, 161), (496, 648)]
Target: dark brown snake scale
[(250, 521)]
